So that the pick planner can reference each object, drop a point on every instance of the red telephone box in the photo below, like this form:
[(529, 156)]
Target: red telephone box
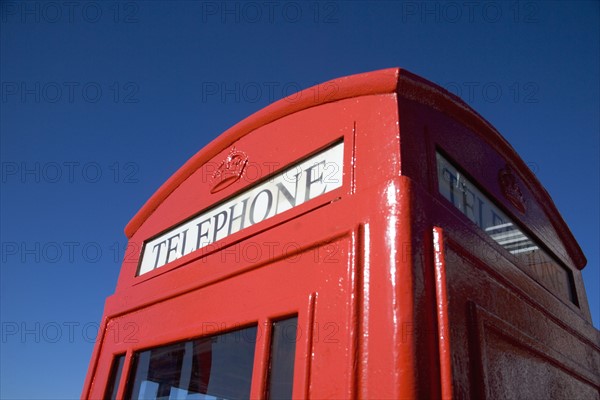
[(370, 237)]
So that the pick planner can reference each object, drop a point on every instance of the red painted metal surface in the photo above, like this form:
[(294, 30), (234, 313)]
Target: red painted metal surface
[(442, 314), (398, 293)]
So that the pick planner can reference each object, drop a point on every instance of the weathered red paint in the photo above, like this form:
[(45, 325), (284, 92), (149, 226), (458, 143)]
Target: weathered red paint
[(415, 314)]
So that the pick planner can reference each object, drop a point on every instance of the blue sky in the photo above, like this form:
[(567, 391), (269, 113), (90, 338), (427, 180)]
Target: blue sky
[(103, 101)]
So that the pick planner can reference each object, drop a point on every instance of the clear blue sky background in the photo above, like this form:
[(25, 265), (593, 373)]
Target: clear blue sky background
[(103, 101)]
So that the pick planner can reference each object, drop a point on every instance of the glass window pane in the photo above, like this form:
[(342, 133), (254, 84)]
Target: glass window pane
[(216, 367), (283, 352), (465, 196), (114, 378)]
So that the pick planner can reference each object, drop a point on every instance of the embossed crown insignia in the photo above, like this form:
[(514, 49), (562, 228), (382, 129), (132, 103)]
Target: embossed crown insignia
[(229, 171), (510, 188)]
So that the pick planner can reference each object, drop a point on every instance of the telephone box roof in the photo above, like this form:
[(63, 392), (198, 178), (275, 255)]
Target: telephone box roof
[(386, 81)]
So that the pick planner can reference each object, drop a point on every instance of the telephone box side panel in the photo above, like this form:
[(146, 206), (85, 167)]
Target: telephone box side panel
[(497, 174), (506, 322), (504, 343), (417, 91)]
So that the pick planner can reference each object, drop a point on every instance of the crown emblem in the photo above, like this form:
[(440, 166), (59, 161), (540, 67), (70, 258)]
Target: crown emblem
[(229, 171), (510, 188)]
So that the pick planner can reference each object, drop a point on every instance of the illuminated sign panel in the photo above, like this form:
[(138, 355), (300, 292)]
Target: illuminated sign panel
[(465, 196), (300, 183)]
